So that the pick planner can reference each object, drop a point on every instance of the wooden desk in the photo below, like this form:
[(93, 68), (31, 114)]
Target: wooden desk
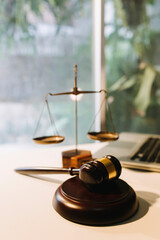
[(26, 210)]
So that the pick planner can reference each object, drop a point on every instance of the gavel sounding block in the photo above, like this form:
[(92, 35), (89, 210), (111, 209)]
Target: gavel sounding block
[(113, 203)]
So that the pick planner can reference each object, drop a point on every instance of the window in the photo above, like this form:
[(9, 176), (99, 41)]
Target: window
[(132, 52), (40, 41)]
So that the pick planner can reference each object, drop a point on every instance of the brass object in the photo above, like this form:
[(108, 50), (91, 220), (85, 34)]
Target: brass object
[(49, 139), (110, 167), (55, 138), (103, 136)]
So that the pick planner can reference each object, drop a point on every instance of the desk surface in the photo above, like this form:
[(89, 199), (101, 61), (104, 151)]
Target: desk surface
[(26, 210)]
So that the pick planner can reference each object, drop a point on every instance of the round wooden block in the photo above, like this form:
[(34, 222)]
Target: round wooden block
[(116, 201)]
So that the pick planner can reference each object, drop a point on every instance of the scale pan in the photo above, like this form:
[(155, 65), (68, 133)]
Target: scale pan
[(49, 139), (103, 136)]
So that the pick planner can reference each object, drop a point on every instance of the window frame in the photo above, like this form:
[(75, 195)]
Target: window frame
[(99, 75)]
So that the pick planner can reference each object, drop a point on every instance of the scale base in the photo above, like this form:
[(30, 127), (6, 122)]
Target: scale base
[(75, 158), (114, 203)]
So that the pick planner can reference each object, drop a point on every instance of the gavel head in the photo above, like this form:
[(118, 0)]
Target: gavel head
[(100, 170)]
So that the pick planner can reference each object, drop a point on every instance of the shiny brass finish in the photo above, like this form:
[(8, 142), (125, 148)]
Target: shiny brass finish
[(112, 173), (103, 136), (53, 139), (49, 139), (56, 138)]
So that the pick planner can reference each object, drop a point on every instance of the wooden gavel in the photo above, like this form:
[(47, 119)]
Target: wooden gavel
[(94, 172)]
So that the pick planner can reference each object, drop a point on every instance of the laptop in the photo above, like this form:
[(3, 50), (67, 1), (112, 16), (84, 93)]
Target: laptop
[(134, 150)]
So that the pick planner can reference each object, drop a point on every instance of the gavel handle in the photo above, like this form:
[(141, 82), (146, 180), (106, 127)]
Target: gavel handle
[(47, 170)]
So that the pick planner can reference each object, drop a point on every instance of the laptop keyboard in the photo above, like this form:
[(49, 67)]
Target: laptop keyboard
[(149, 151)]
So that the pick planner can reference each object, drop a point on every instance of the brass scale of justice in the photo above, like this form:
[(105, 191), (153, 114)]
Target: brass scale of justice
[(76, 157), (91, 197)]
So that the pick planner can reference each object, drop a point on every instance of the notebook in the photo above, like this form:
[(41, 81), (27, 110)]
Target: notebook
[(134, 150)]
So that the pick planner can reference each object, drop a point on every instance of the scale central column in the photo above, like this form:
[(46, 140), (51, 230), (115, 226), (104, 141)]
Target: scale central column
[(75, 157), (75, 90), (76, 124)]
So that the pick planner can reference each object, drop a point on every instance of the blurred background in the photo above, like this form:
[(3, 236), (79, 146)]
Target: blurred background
[(40, 41)]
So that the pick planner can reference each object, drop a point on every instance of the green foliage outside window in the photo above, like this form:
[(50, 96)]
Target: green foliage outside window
[(133, 65), (15, 13)]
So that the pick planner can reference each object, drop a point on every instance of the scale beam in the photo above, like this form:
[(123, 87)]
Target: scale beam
[(100, 136), (75, 92)]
